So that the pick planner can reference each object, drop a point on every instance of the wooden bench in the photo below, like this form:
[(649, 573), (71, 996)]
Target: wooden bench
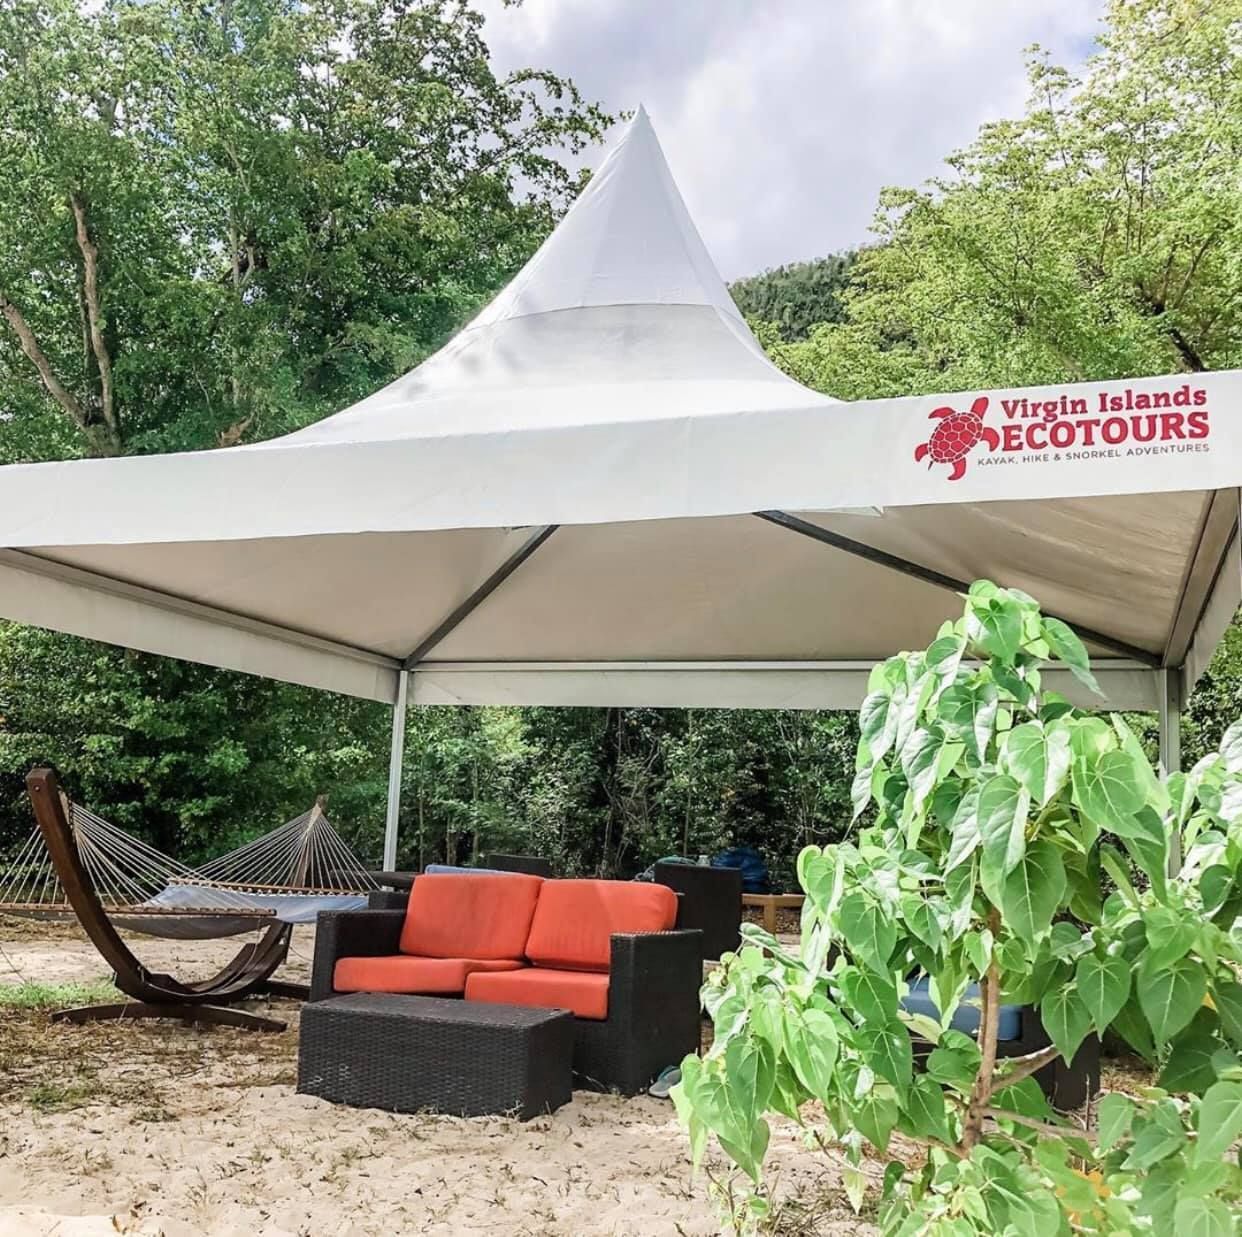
[(770, 903)]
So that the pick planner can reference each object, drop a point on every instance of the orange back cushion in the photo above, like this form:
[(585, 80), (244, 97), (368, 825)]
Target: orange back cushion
[(481, 916), (575, 920)]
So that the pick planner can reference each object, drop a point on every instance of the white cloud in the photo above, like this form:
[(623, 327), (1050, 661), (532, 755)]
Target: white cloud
[(782, 119)]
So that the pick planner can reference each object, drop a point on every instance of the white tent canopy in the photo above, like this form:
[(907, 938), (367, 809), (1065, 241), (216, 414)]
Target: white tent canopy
[(602, 492)]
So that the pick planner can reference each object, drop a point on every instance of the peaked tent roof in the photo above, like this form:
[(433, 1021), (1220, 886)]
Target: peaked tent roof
[(559, 507)]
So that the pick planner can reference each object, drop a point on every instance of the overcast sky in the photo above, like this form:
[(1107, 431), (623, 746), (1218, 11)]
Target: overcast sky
[(783, 118)]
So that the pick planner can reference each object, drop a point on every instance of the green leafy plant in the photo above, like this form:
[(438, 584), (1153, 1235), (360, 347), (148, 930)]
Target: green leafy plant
[(1001, 812)]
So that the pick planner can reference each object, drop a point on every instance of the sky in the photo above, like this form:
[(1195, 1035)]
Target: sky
[(782, 119)]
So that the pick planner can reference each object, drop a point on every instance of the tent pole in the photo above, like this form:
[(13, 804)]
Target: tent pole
[(1171, 745), (394, 771)]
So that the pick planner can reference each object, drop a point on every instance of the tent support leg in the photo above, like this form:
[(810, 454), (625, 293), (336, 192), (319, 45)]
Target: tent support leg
[(395, 759), (1171, 745)]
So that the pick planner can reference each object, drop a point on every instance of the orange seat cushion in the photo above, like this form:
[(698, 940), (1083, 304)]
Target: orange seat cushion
[(476, 916), (585, 993), (575, 919), (402, 973)]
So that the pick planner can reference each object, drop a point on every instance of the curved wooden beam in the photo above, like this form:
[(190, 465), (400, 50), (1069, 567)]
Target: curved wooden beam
[(202, 1015), (248, 973)]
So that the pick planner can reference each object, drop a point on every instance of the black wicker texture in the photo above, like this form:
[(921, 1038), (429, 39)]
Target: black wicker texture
[(532, 865), (388, 899), (711, 900), (426, 1054), (653, 1012), (1067, 1084), (351, 934)]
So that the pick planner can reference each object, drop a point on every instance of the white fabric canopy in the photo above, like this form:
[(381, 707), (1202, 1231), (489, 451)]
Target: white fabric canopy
[(560, 507)]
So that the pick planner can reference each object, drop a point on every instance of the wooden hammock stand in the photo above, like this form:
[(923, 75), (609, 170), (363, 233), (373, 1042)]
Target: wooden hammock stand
[(155, 995)]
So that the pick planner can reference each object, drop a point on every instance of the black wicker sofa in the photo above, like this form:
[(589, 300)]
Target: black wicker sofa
[(605, 950)]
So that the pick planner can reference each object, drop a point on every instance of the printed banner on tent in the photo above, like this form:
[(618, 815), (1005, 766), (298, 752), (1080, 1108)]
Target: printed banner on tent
[(1132, 436)]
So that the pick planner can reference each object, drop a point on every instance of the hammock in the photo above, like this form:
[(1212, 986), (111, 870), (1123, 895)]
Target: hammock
[(77, 863), (288, 875)]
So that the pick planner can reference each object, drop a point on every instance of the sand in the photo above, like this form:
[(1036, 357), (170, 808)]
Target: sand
[(156, 1128)]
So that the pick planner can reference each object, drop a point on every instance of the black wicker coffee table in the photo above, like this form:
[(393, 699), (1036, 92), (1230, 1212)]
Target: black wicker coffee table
[(427, 1054)]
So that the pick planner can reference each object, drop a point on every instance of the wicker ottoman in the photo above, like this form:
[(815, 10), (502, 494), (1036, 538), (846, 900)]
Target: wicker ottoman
[(426, 1054)]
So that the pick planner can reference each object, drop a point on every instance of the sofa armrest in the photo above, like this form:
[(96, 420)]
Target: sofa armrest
[(654, 973), (351, 934)]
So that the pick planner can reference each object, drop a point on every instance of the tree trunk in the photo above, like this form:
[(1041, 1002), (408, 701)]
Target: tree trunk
[(981, 1093)]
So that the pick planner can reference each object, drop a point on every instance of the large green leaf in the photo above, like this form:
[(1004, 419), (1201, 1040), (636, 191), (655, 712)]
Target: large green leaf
[(877, 722), (1114, 1115), (1227, 997), (1231, 747), (1170, 935), (1220, 1121), (1003, 807), (964, 830), (812, 1044), (968, 712), (1202, 1217), (1065, 643), (1104, 985), (954, 1061), (1156, 1137), (944, 655), (1065, 1018), (1107, 789), (1039, 757), (750, 1072), (1215, 885), (875, 1115), (871, 994), (921, 919), (1033, 891), (1170, 996), (996, 626), (1155, 793), (925, 1110), (1189, 1065), (1159, 1189), (1131, 1024), (870, 934), (748, 1151), (1012, 1206), (887, 1050)]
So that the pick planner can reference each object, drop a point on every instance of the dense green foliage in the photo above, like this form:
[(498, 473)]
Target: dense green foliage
[(1096, 236), (997, 810), (792, 300), (283, 206), (226, 220)]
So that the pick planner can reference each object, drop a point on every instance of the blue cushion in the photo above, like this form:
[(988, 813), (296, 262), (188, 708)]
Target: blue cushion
[(442, 869), (966, 1019)]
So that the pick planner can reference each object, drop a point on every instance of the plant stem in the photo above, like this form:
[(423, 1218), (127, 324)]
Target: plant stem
[(1044, 1127), (1024, 1067), (981, 1092)]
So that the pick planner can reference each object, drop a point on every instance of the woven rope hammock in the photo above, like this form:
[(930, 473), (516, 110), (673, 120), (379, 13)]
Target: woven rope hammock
[(78, 864)]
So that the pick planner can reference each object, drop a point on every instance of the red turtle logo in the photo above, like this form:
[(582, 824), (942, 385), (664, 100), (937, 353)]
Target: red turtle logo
[(955, 437)]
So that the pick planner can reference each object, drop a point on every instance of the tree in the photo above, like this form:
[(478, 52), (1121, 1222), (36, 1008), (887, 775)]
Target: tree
[(996, 809), (222, 221), (794, 299), (193, 759), (1094, 237)]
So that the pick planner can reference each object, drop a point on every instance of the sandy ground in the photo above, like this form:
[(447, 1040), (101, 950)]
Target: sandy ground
[(156, 1128)]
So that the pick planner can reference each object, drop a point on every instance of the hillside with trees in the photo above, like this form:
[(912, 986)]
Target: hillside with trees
[(794, 299)]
